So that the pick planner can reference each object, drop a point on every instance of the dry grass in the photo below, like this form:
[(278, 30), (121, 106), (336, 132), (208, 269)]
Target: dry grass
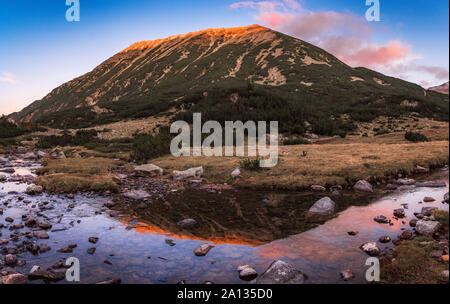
[(71, 183), (78, 174), (78, 165), (325, 164)]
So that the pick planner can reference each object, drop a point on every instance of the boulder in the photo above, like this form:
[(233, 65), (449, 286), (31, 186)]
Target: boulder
[(427, 228), (420, 169), (33, 190), (280, 272), (413, 222), (406, 235), (371, 249), (318, 188), (446, 198), (429, 199), (428, 211), (187, 223), (247, 273), (347, 275), (41, 234), (405, 182), (385, 239), (149, 169), (14, 279), (30, 156), (10, 260), (400, 213), (382, 219), (324, 206), (391, 187), (137, 194), (363, 186), (203, 250), (236, 173), (432, 185), (193, 172)]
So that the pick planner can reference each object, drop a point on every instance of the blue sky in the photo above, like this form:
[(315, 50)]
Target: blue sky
[(40, 50)]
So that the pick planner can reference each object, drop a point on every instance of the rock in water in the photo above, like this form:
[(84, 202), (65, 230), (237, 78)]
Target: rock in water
[(246, 273), (432, 185), (428, 211), (427, 228), (33, 190), (149, 169), (280, 272), (203, 250), (347, 275), (405, 182), (363, 186), (429, 199), (446, 198), (385, 239), (371, 249), (14, 279), (325, 206), (193, 172), (382, 219), (400, 213)]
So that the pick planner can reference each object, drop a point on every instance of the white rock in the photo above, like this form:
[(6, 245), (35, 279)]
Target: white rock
[(193, 172)]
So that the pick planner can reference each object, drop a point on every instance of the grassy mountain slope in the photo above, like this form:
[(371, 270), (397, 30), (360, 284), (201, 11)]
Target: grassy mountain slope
[(231, 74)]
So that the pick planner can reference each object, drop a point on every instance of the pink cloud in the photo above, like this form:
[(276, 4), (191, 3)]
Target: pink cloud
[(372, 55), (272, 18), (345, 35)]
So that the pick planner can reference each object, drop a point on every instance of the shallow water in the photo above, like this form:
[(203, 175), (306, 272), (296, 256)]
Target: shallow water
[(247, 228)]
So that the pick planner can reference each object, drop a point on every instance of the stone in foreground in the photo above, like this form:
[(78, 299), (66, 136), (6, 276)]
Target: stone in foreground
[(149, 169), (137, 194), (325, 206), (363, 186), (427, 228), (400, 213), (280, 272), (193, 172), (203, 250), (246, 273), (382, 219), (371, 249), (347, 275)]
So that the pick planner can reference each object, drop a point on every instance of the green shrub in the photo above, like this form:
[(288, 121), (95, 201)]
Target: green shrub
[(147, 146), (250, 164), (416, 137)]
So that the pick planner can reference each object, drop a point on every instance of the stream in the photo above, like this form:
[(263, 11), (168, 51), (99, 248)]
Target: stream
[(246, 227)]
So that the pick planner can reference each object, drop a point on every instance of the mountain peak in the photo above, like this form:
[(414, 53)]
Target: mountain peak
[(233, 32), (444, 88)]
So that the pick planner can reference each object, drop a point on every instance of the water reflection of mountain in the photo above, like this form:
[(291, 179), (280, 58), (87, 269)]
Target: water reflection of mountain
[(234, 217)]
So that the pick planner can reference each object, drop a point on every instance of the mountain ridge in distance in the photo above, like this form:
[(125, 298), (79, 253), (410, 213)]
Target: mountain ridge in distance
[(443, 88), (238, 73)]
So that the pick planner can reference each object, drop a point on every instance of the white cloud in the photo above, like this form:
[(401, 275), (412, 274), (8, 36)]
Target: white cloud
[(8, 78)]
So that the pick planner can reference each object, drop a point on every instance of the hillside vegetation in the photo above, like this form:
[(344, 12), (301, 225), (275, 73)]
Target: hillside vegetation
[(233, 74)]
